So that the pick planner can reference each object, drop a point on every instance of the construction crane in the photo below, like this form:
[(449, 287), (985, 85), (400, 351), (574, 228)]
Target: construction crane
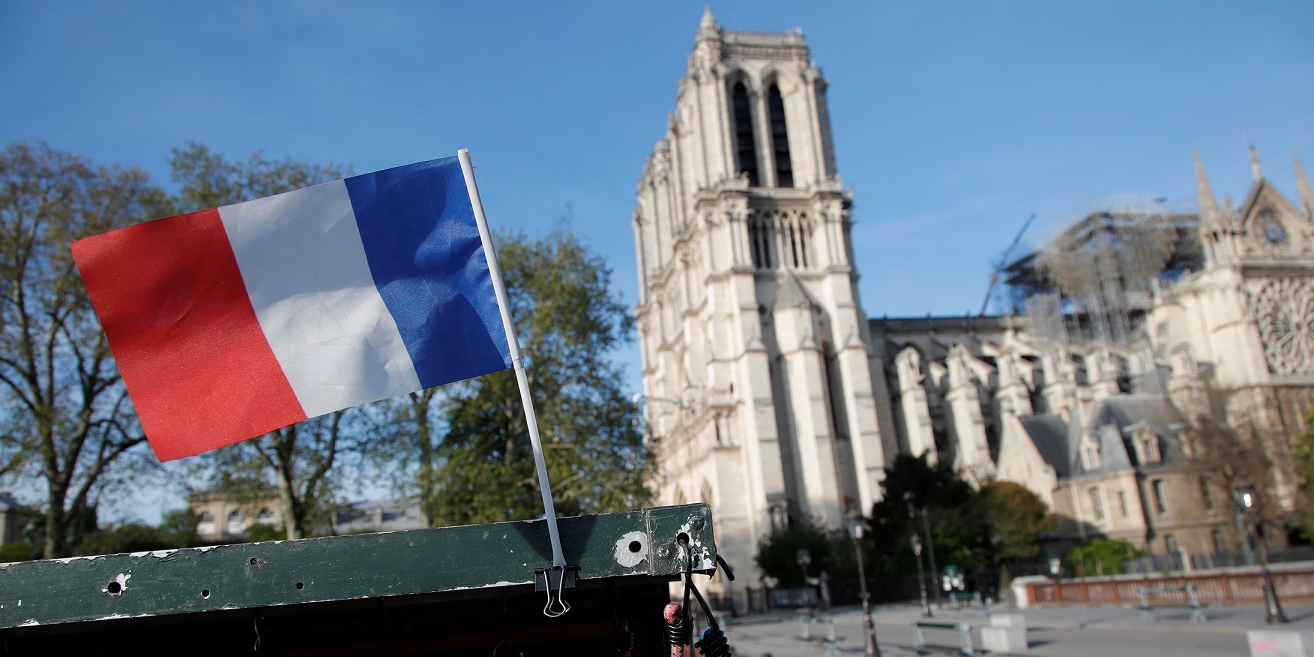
[(1003, 262)]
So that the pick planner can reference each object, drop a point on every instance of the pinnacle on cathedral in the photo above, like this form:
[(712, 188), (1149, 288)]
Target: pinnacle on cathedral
[(708, 25), (1303, 191), (1210, 216)]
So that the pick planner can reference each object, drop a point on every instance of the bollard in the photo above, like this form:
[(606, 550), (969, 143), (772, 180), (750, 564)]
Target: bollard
[(832, 647), (1007, 633)]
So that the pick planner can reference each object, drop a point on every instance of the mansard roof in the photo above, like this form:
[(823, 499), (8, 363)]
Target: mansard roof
[(1124, 413), (1049, 433), (1114, 455), (1113, 425)]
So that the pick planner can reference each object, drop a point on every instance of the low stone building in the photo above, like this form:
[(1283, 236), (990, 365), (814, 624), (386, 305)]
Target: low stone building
[(223, 519), (13, 518)]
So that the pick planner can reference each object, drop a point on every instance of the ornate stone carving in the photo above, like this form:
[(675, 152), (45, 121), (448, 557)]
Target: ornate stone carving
[(1284, 310)]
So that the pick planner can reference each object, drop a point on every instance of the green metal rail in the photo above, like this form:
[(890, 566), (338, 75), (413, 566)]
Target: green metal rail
[(433, 564)]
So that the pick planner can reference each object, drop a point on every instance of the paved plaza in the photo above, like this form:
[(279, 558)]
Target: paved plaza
[(1058, 632)]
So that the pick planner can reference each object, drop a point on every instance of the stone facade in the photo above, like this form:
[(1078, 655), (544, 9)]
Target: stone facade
[(222, 519), (758, 381), (770, 394)]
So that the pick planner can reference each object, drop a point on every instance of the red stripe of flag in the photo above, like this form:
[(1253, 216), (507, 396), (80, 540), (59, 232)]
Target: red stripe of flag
[(172, 302)]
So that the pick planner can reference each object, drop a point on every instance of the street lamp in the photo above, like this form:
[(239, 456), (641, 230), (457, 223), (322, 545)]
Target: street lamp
[(804, 559), (908, 497), (921, 574), (1248, 499), (868, 627)]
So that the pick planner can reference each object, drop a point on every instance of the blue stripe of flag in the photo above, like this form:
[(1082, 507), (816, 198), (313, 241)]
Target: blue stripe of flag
[(424, 253)]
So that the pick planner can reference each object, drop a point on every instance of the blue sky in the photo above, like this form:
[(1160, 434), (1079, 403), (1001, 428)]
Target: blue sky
[(953, 121)]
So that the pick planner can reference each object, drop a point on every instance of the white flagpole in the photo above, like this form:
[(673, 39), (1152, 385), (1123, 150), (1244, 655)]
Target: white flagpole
[(558, 559)]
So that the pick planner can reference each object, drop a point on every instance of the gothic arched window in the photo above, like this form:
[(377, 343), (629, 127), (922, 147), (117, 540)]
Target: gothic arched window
[(780, 138), (745, 148)]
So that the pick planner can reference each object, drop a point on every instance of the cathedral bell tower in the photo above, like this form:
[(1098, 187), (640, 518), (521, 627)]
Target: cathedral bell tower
[(759, 389)]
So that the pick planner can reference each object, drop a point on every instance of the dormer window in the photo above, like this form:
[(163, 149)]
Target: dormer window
[(1147, 445), (1091, 454), (1150, 449)]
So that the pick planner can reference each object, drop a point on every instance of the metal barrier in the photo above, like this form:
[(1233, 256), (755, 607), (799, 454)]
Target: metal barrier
[(807, 620), (1192, 601), (964, 637), (957, 597)]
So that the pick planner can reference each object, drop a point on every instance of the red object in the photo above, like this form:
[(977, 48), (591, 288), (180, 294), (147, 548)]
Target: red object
[(178, 325), (674, 615)]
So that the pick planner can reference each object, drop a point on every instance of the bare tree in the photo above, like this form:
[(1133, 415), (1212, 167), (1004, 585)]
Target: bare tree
[(1234, 442), (67, 419)]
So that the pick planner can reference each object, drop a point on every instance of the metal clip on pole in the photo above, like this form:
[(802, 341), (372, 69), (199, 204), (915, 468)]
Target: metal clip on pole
[(560, 578)]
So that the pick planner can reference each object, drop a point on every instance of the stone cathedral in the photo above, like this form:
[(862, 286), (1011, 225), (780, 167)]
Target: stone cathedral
[(771, 395)]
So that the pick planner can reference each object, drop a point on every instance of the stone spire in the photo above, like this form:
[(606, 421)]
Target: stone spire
[(708, 28), (1254, 164), (1210, 217), (1303, 191)]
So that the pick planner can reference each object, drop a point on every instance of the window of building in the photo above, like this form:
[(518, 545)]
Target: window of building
[(205, 523), (266, 516), (1170, 544), (795, 229), (236, 522), (1160, 496), (1220, 545), (1092, 454), (759, 241), (779, 138), (745, 147), (1097, 503), (1122, 504), (1206, 493), (1149, 448)]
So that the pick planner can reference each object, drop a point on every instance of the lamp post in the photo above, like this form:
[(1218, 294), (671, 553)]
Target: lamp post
[(1248, 499), (921, 574), (868, 627), (908, 497), (804, 559)]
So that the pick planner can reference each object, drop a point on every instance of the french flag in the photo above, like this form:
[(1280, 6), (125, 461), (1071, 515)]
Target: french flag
[(232, 322)]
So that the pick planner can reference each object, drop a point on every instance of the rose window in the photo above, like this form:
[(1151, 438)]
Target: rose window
[(1284, 310)]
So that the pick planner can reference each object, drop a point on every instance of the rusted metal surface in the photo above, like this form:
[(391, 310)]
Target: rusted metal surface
[(466, 561)]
